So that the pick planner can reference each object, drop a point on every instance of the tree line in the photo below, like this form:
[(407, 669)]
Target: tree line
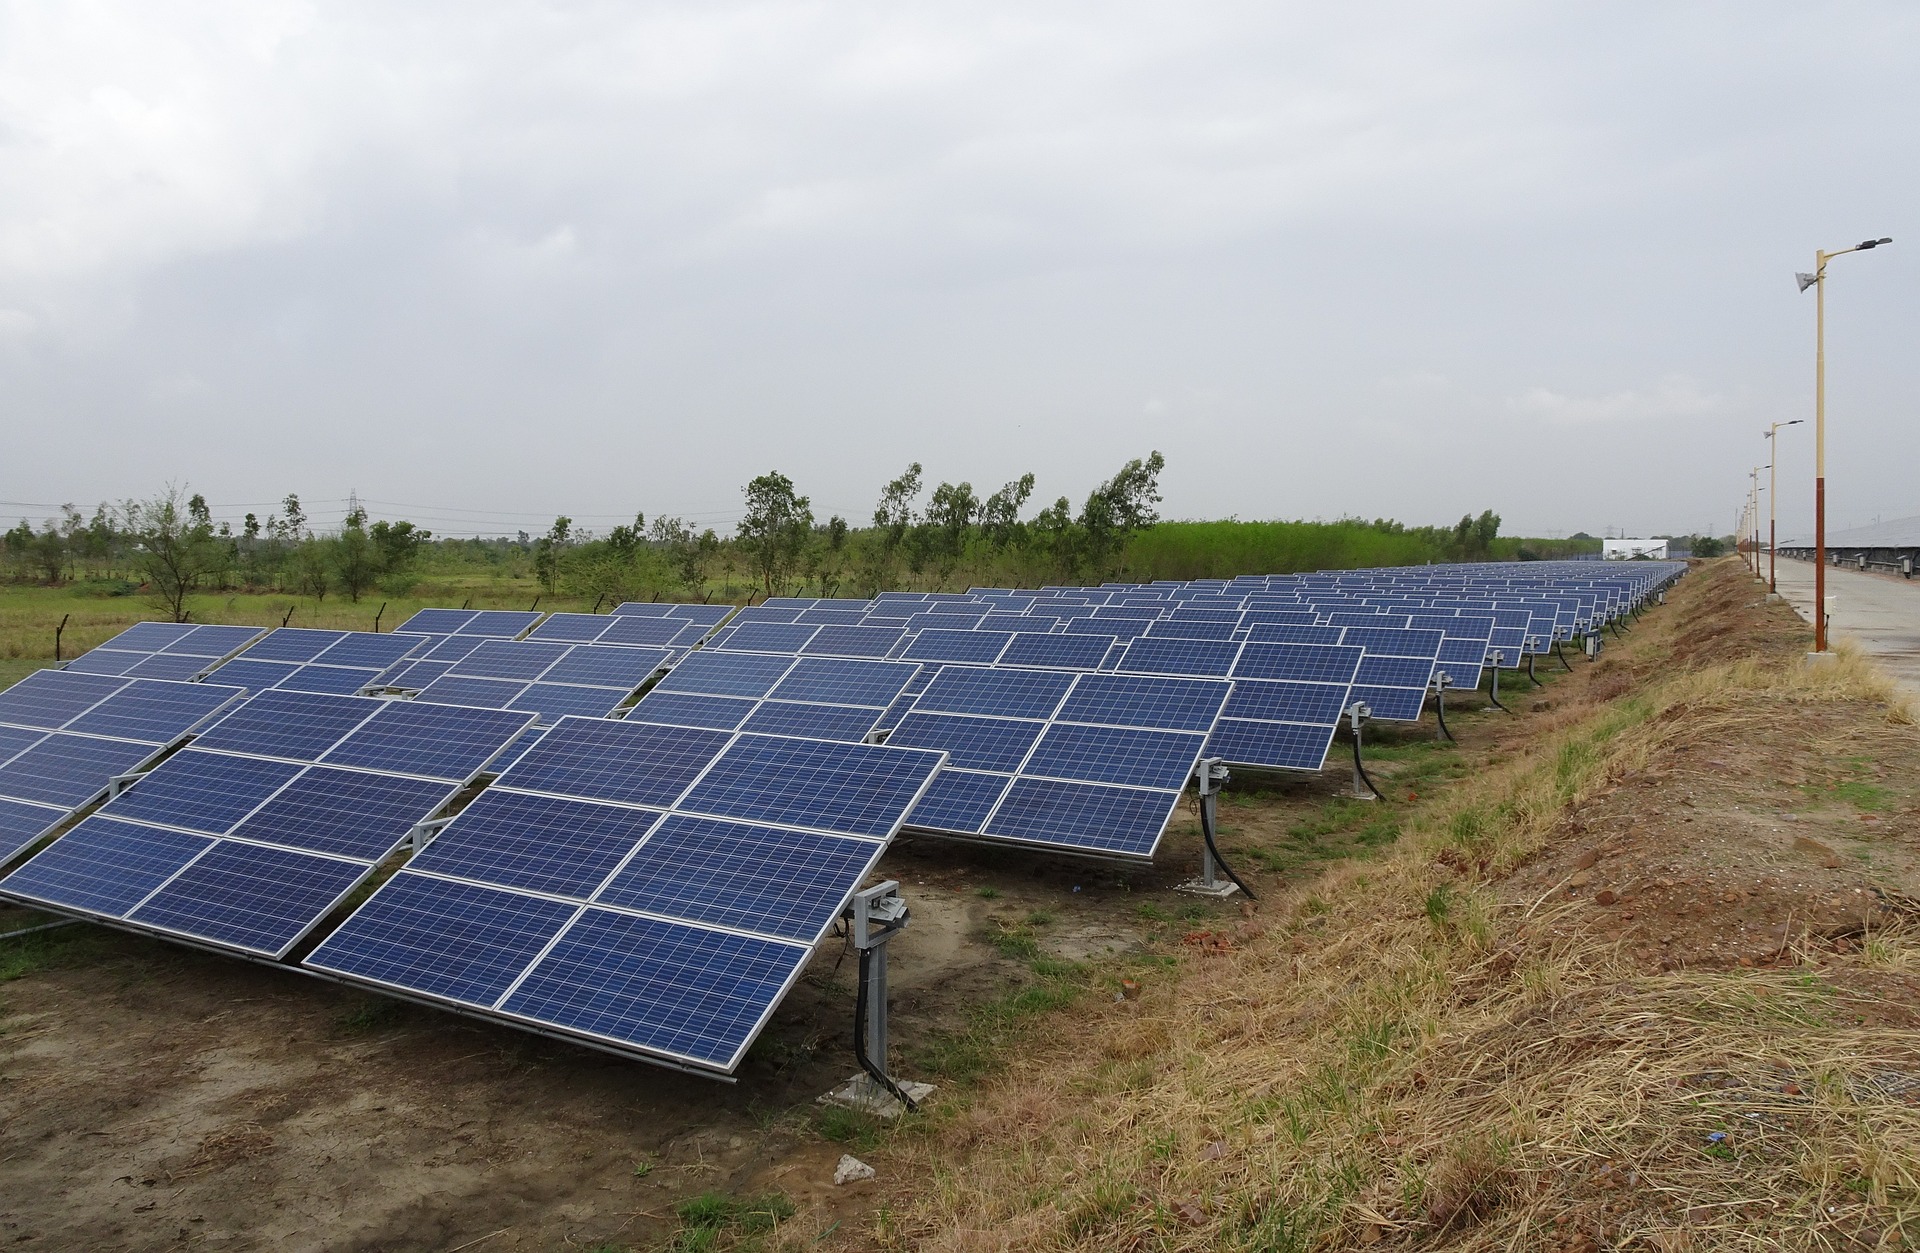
[(920, 536)]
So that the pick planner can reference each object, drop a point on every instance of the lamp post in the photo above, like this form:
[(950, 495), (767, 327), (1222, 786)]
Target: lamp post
[(1753, 515), (1773, 495), (1818, 281)]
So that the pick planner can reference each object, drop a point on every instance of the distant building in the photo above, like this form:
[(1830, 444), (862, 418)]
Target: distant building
[(1629, 549)]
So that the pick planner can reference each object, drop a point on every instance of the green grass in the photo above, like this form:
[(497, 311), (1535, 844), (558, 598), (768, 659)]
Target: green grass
[(1206, 550), (376, 1013), (979, 1048), (715, 1220), (46, 950)]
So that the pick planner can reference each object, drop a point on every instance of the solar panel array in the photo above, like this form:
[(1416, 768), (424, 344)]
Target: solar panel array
[(652, 877), (648, 888), (65, 736)]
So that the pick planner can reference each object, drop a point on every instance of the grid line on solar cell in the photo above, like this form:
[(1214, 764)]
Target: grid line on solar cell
[(846, 723), (292, 725), (691, 709), (855, 789), (550, 844), (49, 699), (22, 823), (199, 791), (103, 866)]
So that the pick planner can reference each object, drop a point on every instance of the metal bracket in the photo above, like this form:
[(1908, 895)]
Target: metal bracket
[(1207, 778), (120, 783), (1357, 714), (423, 832)]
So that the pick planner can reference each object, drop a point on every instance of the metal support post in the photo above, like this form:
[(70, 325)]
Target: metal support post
[(1493, 682), (876, 915), (1363, 789), (1207, 778)]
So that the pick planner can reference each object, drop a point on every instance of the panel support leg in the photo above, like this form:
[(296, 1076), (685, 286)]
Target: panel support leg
[(877, 914)]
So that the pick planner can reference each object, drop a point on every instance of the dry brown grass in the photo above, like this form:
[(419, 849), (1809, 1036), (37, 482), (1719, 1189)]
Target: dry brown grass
[(1397, 1055)]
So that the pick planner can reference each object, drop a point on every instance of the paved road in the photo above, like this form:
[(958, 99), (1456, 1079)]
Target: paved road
[(1879, 612)]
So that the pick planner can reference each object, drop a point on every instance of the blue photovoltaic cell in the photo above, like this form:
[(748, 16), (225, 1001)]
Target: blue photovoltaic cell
[(958, 801), (1304, 663), (294, 725), (69, 770), (1065, 652), (776, 882), (725, 674), (49, 699), (150, 637), (1394, 671), (831, 617), (938, 622), (438, 741), (516, 750), (413, 676), (631, 631), (1147, 655), (15, 740), (458, 941), (436, 621), (663, 986), (1391, 704), (364, 648), (857, 788), (254, 676), (538, 843), (330, 680), (180, 669), (1276, 744), (1113, 628), (702, 615), (896, 711), (852, 641), (617, 761), (572, 628), (1317, 703), (974, 743), (481, 693), (293, 644), (207, 792), (1165, 704), (1116, 755), (978, 647), (1179, 630), (451, 648), (768, 637), (1005, 693), (103, 866), (819, 722), (104, 661), (1394, 643), (1119, 820), (260, 899), (498, 623), (1464, 675), (841, 681), (214, 641), (509, 659), (349, 813), (1276, 633), (623, 668), (555, 700), (688, 709), (21, 824)]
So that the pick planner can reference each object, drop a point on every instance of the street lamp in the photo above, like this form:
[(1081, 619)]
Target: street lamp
[(1753, 515), (1818, 280), (1773, 482)]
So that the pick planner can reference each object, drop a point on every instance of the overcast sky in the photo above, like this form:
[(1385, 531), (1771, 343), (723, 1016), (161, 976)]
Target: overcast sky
[(484, 262)]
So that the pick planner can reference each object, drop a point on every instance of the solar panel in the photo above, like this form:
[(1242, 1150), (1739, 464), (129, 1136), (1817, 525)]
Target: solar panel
[(667, 923), (1396, 670), (1150, 655), (815, 697), (1090, 763), (165, 650)]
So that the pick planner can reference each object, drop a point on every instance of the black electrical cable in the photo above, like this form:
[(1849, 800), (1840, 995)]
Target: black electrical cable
[(1362, 770), (1206, 833), (860, 1038), (1440, 710), (1562, 656)]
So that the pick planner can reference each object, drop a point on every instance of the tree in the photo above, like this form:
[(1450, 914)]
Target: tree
[(1000, 515), (1486, 528), (546, 553), (176, 549), (775, 530), (948, 522), (1119, 509), (356, 559)]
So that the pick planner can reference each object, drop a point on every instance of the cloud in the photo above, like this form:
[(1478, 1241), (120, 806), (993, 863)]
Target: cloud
[(1674, 397)]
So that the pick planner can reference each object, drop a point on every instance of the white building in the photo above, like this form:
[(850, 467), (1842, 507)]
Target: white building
[(1628, 549)]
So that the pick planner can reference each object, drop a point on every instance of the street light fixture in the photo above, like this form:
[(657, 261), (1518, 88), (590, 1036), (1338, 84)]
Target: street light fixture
[(1753, 514), (1818, 279), (1773, 482)]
